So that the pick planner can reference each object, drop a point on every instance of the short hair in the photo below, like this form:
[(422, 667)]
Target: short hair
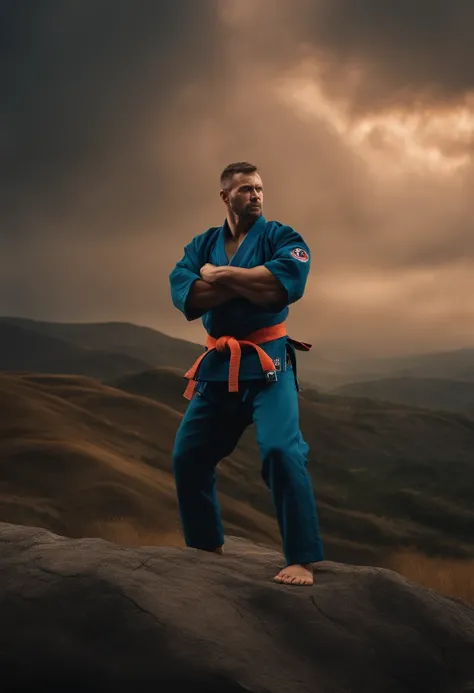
[(237, 167)]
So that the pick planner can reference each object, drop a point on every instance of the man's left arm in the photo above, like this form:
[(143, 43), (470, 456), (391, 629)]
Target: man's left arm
[(275, 284), (257, 285)]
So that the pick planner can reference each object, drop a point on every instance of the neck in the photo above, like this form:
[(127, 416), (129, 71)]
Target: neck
[(239, 227)]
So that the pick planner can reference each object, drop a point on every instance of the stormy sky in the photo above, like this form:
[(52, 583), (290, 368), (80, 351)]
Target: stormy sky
[(117, 117)]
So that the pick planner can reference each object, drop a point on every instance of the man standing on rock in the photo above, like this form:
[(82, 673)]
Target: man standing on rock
[(240, 278)]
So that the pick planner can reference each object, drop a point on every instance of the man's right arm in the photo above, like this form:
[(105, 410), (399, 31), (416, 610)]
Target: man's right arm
[(203, 296), (189, 292)]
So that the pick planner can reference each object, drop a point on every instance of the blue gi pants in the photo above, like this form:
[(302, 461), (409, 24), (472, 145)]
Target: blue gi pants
[(210, 430)]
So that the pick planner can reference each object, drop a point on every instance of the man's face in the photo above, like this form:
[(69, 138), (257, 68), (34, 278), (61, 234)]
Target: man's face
[(245, 196)]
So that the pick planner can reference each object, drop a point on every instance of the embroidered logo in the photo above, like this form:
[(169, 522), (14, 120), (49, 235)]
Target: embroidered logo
[(277, 363), (300, 254)]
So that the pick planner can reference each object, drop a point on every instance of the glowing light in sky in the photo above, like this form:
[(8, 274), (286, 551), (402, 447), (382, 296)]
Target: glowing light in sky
[(437, 140)]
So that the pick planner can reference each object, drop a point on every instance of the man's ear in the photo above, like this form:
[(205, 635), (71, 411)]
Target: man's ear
[(224, 195)]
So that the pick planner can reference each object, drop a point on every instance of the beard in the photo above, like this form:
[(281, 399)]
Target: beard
[(246, 211)]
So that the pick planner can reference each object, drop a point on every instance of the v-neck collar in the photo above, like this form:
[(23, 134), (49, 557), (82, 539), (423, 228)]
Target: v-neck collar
[(254, 230)]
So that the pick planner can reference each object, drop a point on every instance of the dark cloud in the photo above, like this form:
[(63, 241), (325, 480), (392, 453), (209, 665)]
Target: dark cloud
[(385, 53), (78, 80)]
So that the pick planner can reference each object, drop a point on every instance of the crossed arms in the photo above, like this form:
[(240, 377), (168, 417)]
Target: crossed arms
[(196, 288), (220, 284)]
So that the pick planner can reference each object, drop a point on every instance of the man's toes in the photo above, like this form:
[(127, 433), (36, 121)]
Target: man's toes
[(287, 578), (299, 580)]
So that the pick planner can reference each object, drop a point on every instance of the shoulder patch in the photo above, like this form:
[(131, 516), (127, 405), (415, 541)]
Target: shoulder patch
[(300, 254)]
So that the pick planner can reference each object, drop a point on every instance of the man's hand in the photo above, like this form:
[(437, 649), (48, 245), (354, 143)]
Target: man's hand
[(209, 273)]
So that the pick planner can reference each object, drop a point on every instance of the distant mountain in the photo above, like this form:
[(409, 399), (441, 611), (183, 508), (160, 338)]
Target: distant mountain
[(22, 349), (457, 364), (141, 343), (160, 350), (432, 393)]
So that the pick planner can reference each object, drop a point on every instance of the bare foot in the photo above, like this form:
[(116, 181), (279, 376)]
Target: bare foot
[(295, 575)]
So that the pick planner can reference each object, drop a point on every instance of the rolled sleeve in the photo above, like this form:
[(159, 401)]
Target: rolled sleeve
[(182, 278), (290, 263)]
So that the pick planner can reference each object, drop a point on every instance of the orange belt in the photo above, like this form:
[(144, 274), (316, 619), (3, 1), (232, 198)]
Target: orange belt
[(266, 334)]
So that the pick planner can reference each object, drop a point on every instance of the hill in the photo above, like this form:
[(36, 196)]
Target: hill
[(75, 452), (142, 344), (160, 384), (456, 365), (431, 393), (157, 349), (385, 474), (81, 458), (22, 349)]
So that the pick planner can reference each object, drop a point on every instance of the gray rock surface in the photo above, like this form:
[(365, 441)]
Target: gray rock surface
[(89, 615)]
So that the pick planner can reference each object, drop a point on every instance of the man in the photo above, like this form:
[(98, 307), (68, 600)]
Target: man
[(240, 278)]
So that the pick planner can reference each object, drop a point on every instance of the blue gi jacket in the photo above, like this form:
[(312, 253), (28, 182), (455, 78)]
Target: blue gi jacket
[(276, 246)]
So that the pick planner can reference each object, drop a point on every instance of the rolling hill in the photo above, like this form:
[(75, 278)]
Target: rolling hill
[(142, 344), (87, 429), (22, 349), (84, 458), (374, 465), (156, 349), (432, 393), (456, 365)]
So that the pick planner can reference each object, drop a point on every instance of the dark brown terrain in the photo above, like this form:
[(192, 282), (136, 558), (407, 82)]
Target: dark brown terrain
[(86, 455), (86, 435)]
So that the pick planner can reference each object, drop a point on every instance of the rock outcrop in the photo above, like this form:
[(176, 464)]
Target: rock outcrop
[(89, 615)]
